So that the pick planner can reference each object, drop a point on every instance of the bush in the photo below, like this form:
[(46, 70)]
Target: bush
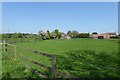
[(84, 35), (114, 37)]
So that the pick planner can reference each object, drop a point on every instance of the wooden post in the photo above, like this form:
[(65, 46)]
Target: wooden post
[(53, 67), (15, 52), (4, 46)]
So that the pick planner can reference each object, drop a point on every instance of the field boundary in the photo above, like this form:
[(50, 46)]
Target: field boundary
[(52, 57)]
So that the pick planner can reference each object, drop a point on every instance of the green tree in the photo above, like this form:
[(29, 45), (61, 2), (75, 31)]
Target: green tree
[(20, 35), (53, 35), (69, 33), (48, 32), (84, 35), (5, 36), (94, 33), (57, 32), (75, 34), (47, 36), (59, 35), (15, 35)]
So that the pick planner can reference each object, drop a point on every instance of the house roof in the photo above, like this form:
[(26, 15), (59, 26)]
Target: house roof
[(103, 34), (112, 33)]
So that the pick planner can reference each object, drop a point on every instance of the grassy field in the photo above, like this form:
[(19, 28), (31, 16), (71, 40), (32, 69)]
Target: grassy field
[(84, 58), (62, 46), (0, 61)]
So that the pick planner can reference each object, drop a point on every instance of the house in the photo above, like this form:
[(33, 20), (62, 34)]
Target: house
[(103, 35), (64, 36)]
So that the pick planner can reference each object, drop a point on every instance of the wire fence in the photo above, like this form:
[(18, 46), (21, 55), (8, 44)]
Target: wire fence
[(52, 58)]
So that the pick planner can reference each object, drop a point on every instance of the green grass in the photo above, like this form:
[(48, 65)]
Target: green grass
[(89, 64), (15, 69), (62, 46), (0, 61), (79, 57)]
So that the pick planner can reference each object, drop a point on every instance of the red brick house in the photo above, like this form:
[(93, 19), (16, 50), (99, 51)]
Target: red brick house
[(103, 35)]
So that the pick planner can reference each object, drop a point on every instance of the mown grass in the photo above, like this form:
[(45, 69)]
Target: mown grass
[(80, 57)]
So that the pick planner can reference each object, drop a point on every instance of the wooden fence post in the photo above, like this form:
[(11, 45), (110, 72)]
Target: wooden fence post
[(53, 66), (4, 46), (15, 52)]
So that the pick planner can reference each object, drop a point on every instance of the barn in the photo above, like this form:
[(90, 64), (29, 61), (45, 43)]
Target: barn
[(103, 35)]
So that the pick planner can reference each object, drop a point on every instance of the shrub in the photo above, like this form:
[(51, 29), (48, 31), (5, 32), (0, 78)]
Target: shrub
[(114, 37)]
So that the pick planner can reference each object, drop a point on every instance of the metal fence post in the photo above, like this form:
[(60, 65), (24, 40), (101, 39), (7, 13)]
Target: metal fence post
[(53, 66)]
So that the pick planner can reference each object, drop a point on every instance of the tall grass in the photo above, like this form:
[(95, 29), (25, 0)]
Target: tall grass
[(89, 64)]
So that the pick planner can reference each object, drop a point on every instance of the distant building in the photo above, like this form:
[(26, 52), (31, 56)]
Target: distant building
[(103, 35), (64, 36)]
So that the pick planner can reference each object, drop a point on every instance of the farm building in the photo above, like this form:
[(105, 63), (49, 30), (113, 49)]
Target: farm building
[(64, 36), (103, 35)]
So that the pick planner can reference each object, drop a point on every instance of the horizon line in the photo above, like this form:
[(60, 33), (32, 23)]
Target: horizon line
[(62, 32)]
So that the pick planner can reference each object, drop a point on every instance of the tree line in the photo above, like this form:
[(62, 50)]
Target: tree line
[(56, 34)]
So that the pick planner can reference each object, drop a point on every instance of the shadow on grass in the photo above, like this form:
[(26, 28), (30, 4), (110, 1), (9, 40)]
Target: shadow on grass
[(89, 64)]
